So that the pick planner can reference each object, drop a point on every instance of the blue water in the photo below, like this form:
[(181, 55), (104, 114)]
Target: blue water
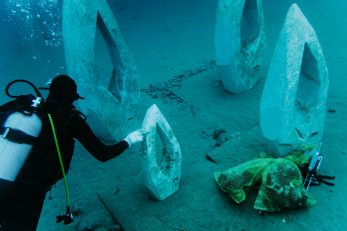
[(167, 38)]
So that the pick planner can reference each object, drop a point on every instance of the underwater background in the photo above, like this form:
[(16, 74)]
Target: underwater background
[(168, 38)]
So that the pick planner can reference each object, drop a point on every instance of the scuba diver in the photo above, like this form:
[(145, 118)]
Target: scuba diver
[(33, 159)]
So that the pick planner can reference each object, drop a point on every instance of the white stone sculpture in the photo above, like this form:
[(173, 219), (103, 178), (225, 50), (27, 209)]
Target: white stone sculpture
[(239, 43), (111, 97), (162, 179), (293, 104)]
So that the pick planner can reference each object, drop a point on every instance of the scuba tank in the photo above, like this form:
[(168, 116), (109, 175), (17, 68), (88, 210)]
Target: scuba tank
[(12, 153), (18, 132)]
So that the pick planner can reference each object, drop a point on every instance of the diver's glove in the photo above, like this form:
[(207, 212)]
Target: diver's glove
[(135, 137)]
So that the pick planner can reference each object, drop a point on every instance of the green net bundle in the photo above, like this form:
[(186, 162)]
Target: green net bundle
[(279, 181)]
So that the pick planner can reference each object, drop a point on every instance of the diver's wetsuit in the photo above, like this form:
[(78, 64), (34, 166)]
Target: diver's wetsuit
[(21, 201)]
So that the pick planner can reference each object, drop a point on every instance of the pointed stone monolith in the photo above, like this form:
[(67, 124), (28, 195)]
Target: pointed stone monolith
[(111, 97), (162, 179), (293, 104), (239, 43)]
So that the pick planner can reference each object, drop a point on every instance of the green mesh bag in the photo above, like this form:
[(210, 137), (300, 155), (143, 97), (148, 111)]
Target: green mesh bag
[(280, 182), (282, 188), (237, 181)]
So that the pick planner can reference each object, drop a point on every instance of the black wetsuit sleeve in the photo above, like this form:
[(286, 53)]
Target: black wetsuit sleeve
[(80, 130)]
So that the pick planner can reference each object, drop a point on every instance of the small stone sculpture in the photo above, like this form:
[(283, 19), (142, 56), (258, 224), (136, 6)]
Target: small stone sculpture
[(161, 179)]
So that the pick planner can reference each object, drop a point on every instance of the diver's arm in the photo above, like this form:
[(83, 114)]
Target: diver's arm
[(79, 128)]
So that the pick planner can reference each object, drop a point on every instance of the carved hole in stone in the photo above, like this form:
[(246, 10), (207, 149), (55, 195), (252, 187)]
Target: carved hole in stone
[(308, 85), (102, 59), (108, 60), (163, 157), (250, 28), (160, 149)]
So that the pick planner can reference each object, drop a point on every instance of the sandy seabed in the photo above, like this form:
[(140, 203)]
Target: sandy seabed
[(166, 39)]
